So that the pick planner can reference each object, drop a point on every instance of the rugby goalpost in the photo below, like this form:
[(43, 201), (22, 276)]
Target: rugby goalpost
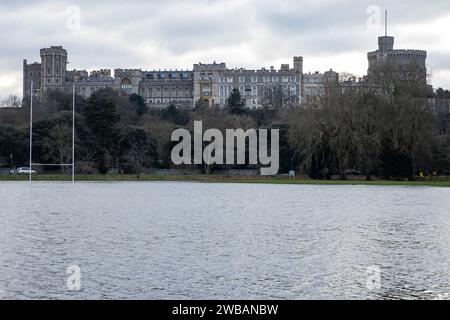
[(72, 165)]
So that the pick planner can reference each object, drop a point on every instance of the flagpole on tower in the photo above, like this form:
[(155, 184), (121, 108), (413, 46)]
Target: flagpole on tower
[(386, 23)]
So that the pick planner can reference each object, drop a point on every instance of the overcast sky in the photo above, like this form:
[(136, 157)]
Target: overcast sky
[(243, 33)]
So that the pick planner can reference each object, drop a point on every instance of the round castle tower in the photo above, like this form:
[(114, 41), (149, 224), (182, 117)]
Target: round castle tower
[(386, 54)]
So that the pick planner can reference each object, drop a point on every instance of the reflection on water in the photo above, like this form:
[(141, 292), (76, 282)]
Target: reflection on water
[(223, 241)]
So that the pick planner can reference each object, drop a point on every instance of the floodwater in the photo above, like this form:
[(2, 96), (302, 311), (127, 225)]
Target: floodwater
[(223, 241)]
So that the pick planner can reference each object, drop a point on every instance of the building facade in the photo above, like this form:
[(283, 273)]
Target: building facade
[(214, 83), (210, 82), (314, 83)]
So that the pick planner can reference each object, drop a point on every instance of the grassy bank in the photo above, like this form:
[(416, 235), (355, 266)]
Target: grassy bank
[(223, 179)]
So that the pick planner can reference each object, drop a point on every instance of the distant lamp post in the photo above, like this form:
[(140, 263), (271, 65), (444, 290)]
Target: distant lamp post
[(12, 161)]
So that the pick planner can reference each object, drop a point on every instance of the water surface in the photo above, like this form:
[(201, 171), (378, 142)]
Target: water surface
[(223, 241)]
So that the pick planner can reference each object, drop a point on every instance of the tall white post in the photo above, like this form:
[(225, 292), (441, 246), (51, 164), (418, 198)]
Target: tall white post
[(31, 127), (73, 136)]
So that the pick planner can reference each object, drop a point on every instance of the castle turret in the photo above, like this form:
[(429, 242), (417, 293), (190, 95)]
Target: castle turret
[(298, 69), (53, 67), (298, 64), (385, 44)]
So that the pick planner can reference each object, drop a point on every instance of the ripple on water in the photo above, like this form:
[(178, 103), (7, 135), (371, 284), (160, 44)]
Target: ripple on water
[(223, 241)]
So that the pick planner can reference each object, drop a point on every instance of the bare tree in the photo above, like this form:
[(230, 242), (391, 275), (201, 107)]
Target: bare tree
[(136, 156), (352, 127), (137, 148), (279, 97), (346, 76), (12, 101), (59, 143)]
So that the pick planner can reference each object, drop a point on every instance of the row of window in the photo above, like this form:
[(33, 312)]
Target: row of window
[(252, 79), (312, 80), (168, 76), (309, 92), (254, 103), (226, 90), (157, 101), (166, 92), (264, 79), (206, 76), (49, 81), (49, 73)]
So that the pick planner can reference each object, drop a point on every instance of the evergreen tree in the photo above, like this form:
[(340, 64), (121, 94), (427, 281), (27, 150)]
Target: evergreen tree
[(139, 102), (102, 118), (236, 103), (201, 104)]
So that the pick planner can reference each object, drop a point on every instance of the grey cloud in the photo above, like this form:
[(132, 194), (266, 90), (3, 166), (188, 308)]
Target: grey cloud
[(161, 34), (439, 60)]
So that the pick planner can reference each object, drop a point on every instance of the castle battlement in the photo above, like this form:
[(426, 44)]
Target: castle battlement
[(212, 82)]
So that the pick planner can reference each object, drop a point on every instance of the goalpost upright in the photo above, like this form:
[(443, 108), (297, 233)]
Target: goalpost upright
[(73, 135), (31, 138), (31, 128)]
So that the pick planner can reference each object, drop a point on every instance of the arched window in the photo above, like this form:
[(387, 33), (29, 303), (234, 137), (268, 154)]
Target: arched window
[(254, 90), (126, 86), (222, 91), (293, 90), (242, 89), (229, 90), (266, 90)]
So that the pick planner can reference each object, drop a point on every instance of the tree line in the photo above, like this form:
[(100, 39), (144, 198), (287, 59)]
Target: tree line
[(389, 131)]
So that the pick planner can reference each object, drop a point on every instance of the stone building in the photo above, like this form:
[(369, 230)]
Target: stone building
[(161, 88), (85, 83), (404, 64), (314, 83), (392, 66), (212, 82), (32, 73), (49, 74)]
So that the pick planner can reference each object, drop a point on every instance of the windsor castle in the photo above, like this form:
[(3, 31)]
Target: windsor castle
[(211, 82)]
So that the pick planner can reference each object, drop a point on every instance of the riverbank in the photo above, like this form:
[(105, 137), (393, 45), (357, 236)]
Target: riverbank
[(224, 179)]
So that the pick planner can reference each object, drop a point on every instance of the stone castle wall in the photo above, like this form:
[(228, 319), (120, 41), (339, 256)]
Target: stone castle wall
[(211, 82)]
